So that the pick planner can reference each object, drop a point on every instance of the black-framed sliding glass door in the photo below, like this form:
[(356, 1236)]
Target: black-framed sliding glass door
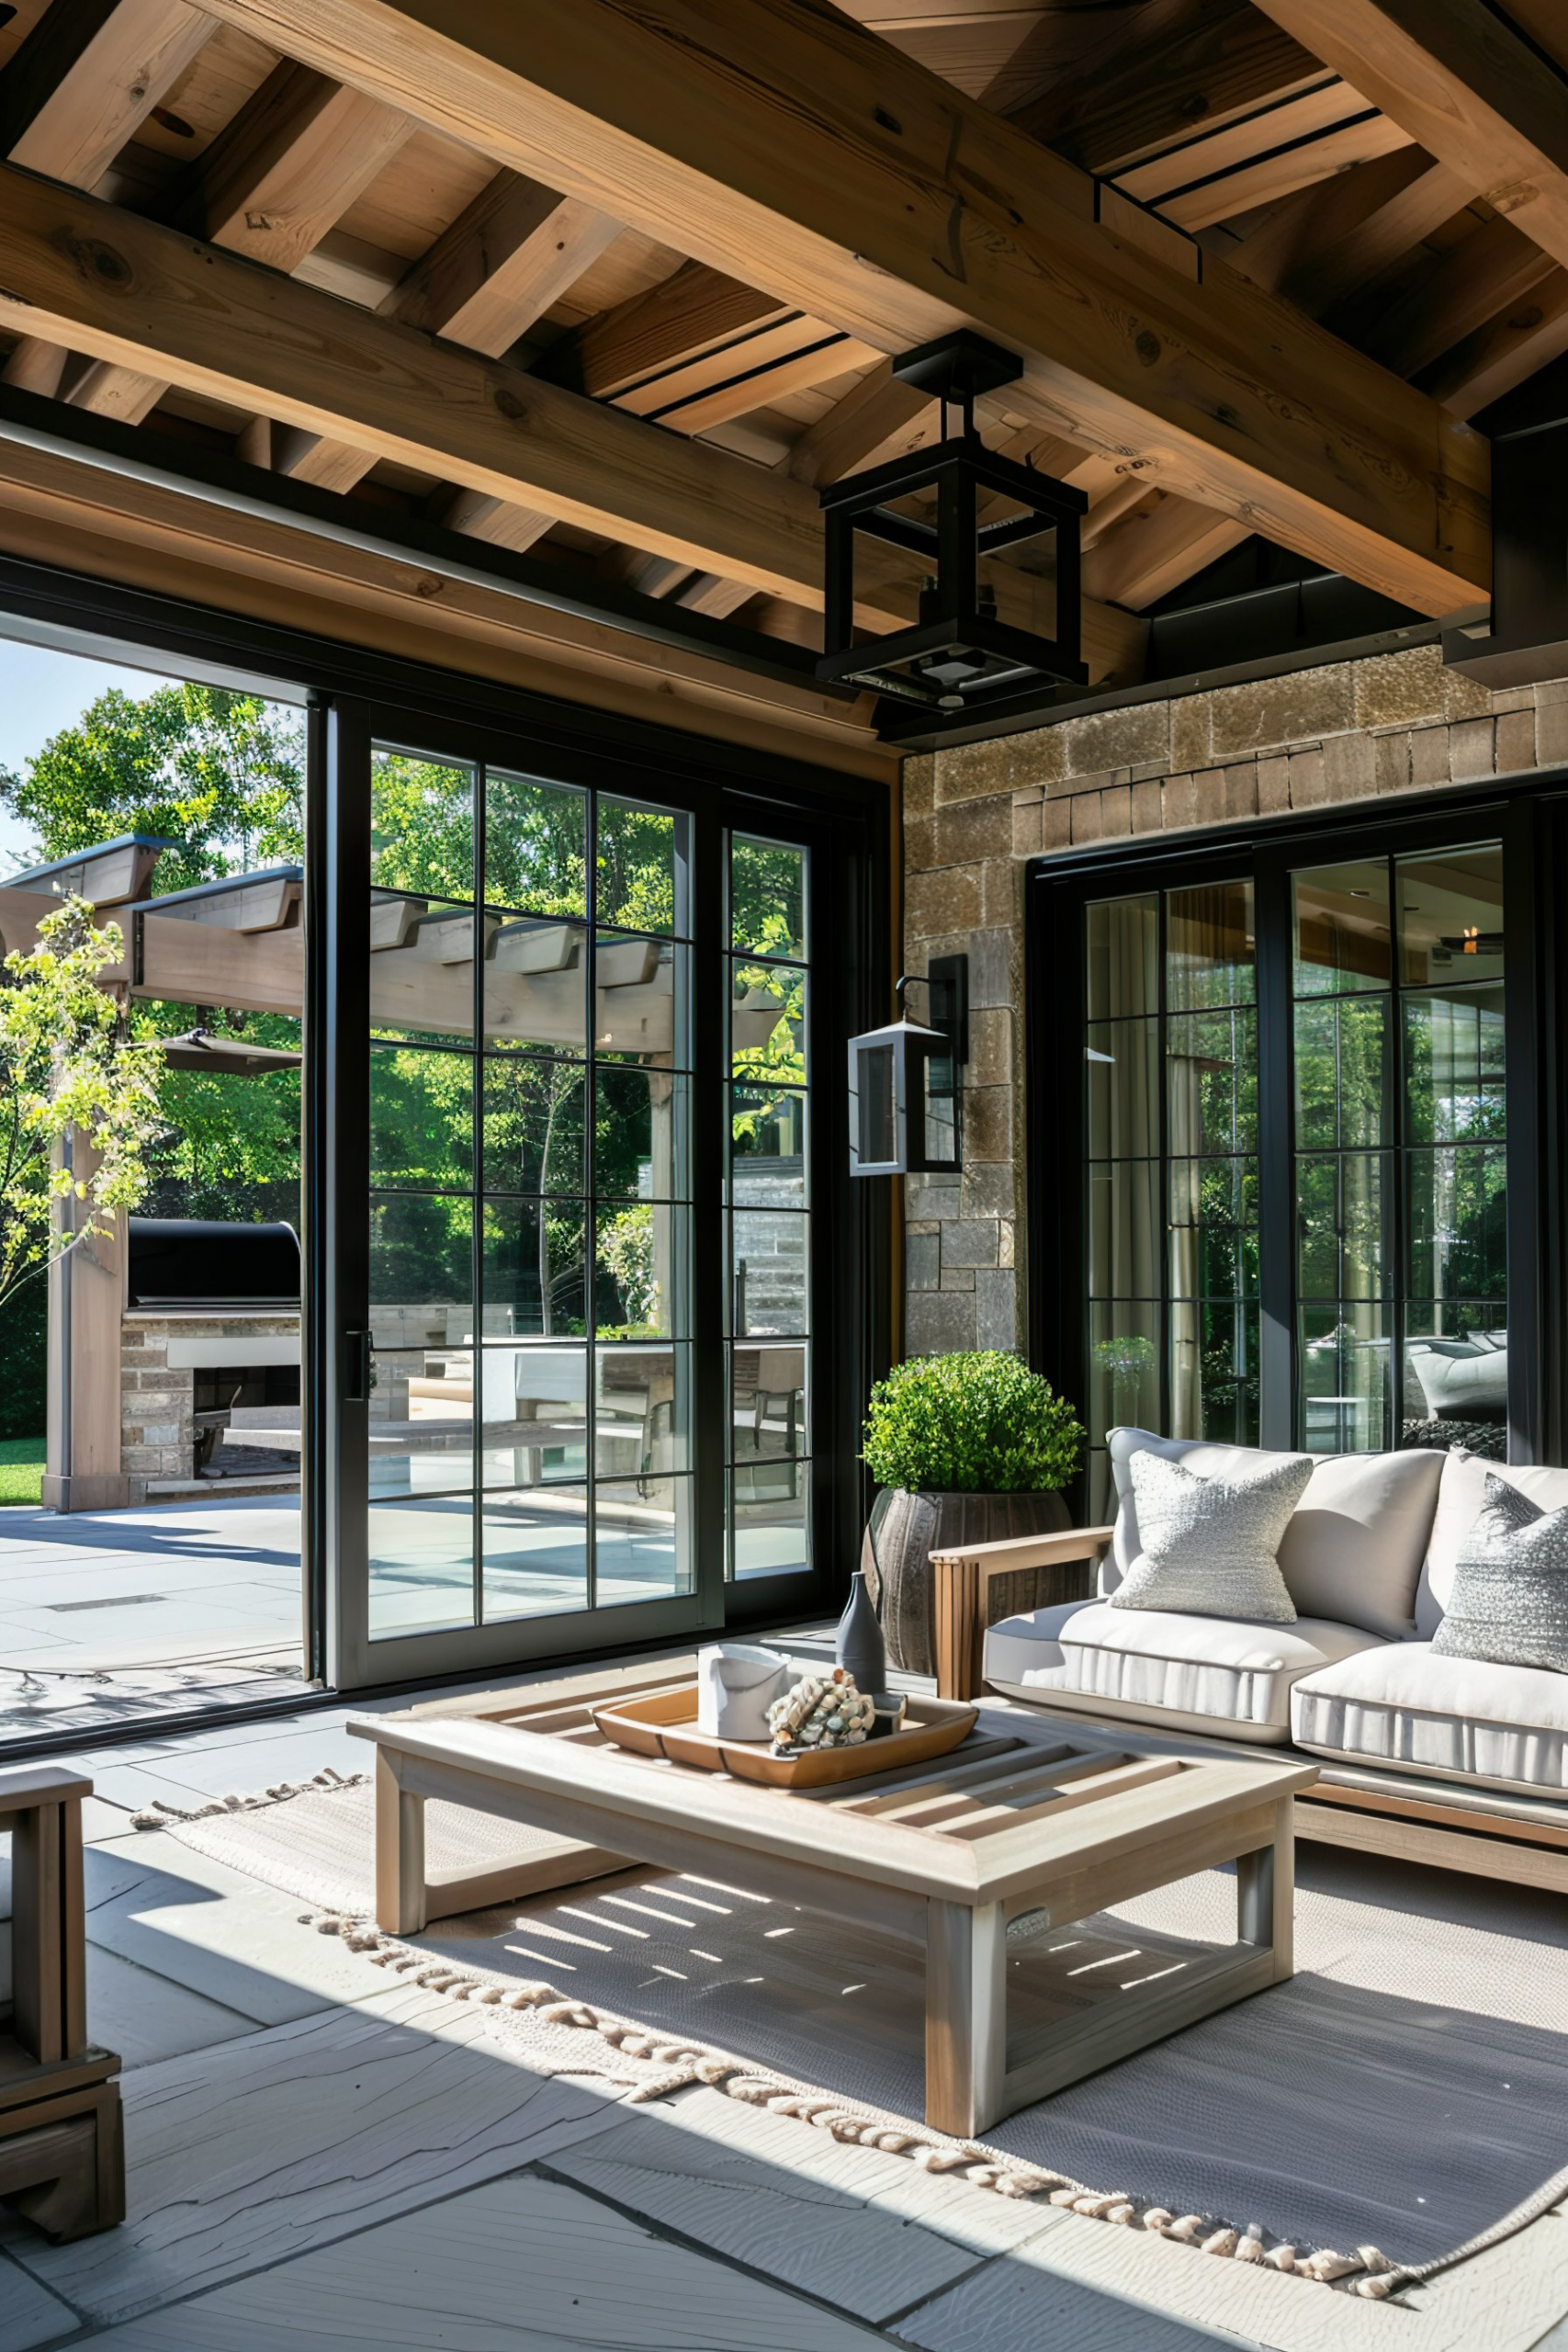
[(568, 1291), (1303, 1116)]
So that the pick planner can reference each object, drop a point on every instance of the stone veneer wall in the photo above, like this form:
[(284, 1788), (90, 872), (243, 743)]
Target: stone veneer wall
[(1389, 723)]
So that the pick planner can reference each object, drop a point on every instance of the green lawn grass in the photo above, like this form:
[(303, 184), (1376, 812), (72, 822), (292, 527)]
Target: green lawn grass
[(21, 1469)]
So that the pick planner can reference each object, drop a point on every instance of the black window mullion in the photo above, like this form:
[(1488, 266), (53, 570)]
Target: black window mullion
[(1278, 1304), (590, 1208), (476, 1247), (1165, 1320), (708, 927)]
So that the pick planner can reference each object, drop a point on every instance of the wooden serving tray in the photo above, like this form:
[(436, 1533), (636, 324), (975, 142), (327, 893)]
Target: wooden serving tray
[(664, 1724)]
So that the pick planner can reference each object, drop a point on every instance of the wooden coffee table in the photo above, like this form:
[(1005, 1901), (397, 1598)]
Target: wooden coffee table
[(1018, 1833)]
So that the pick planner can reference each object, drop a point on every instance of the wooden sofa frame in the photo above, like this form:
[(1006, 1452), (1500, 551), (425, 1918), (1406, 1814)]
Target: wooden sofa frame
[(1407, 1816)]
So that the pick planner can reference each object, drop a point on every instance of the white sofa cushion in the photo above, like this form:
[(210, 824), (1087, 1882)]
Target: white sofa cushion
[(1455, 1718), (1354, 1548), (1461, 1497), (1158, 1666)]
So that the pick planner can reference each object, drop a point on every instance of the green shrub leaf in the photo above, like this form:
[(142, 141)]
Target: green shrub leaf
[(976, 1422)]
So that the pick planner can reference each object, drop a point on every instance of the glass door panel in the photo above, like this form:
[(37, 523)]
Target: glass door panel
[(532, 1439), (568, 1125), (1170, 1076), (1401, 1175)]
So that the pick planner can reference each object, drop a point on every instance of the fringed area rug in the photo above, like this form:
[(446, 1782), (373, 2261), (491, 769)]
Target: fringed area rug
[(1401, 2103)]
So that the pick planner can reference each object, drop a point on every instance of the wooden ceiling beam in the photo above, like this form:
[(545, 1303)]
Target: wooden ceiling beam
[(107, 526), (1219, 60), (82, 83), (698, 313), (786, 144), (286, 170), (87, 77), (1460, 79), (881, 418), (1292, 144), (137, 295), (502, 264)]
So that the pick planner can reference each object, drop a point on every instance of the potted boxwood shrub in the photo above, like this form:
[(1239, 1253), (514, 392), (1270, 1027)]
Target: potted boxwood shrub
[(966, 1448)]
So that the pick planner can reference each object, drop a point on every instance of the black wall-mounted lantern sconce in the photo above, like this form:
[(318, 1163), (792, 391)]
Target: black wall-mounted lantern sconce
[(960, 659), (906, 1092)]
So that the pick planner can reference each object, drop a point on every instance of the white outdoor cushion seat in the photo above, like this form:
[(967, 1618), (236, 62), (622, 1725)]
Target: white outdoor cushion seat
[(1456, 1718), (1217, 1675)]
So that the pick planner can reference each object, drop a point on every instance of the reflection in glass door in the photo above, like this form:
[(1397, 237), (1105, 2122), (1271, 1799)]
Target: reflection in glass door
[(530, 1406), (1401, 1152)]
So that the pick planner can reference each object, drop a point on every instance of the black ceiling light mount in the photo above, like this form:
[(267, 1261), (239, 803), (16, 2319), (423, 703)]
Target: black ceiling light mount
[(960, 659)]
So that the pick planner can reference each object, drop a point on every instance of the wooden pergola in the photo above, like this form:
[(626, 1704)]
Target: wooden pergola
[(618, 285)]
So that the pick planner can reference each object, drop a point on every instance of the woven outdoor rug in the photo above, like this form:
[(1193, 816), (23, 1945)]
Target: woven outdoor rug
[(1405, 2096)]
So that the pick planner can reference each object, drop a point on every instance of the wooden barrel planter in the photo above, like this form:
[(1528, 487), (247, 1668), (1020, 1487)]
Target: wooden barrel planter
[(906, 1527)]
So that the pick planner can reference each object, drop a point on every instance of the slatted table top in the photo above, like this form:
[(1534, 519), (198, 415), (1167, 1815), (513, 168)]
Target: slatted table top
[(1015, 1807)]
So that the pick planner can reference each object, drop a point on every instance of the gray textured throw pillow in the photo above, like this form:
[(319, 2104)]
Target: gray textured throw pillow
[(1509, 1602), (1209, 1545)]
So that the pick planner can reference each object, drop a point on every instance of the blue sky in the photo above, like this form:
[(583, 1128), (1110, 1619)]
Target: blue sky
[(42, 692)]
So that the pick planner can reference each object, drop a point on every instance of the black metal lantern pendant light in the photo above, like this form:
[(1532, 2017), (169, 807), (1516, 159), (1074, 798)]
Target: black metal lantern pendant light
[(960, 659)]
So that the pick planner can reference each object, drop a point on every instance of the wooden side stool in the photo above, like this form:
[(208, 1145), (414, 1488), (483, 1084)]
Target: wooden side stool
[(61, 2148)]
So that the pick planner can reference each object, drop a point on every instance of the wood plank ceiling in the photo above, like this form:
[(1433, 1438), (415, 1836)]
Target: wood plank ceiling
[(1264, 263)]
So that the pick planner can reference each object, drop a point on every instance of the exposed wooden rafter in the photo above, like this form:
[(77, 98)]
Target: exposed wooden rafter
[(497, 269), (1458, 78), (288, 167), (86, 79), (789, 145), (1217, 60), (1162, 542)]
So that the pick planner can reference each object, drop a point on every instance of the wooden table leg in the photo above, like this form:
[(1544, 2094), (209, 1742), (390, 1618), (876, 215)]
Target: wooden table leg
[(966, 2015), (402, 1902), (1265, 1894)]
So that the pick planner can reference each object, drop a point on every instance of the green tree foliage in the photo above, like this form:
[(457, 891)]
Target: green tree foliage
[(78, 1112), (975, 1423), (222, 776)]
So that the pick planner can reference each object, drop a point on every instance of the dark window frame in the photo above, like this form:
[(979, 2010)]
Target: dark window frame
[(1529, 814)]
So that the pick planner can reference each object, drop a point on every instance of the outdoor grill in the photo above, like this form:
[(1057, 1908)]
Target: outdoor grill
[(203, 1263), (205, 1267)]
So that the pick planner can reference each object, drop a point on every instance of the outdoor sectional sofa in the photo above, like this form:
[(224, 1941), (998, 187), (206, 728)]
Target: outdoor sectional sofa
[(1444, 1760)]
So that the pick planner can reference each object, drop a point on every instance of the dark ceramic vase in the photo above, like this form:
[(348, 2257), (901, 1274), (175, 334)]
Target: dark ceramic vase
[(859, 1649), (907, 1528)]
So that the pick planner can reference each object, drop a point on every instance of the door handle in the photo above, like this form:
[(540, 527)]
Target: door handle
[(356, 1368)]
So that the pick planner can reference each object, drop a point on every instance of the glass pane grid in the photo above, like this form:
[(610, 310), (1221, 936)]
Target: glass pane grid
[(547, 1177)]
